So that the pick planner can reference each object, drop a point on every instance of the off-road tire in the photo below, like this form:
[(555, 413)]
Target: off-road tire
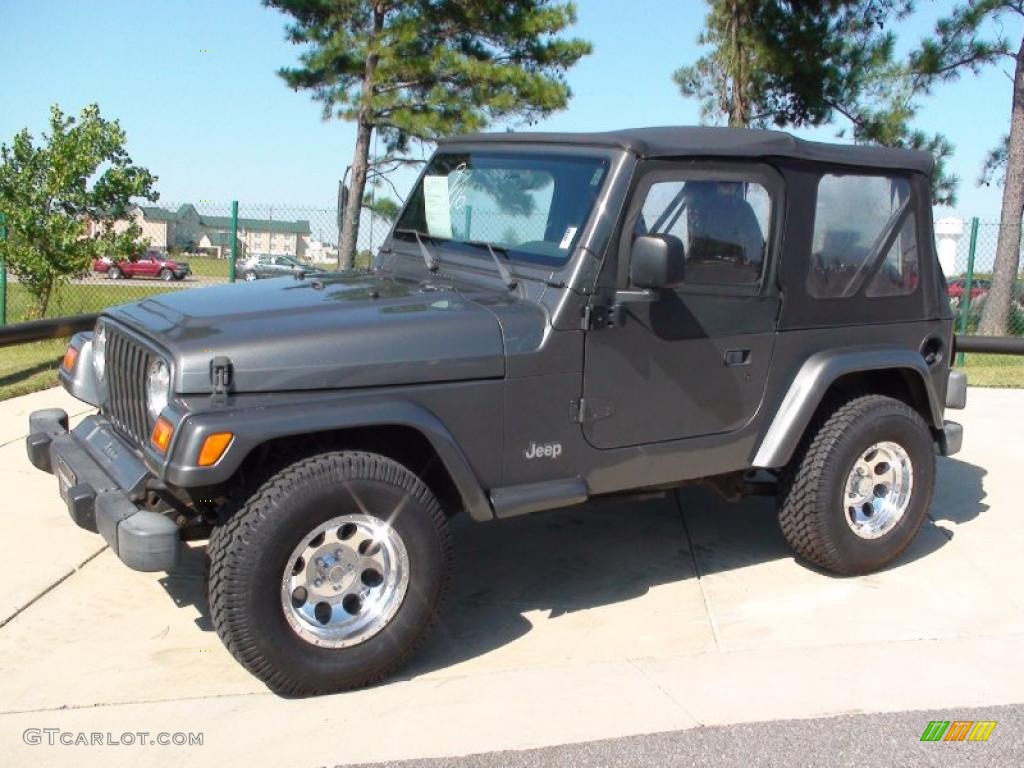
[(811, 489), (249, 552)]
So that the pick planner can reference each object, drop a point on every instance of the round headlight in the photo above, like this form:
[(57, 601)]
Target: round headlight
[(99, 350), (158, 386)]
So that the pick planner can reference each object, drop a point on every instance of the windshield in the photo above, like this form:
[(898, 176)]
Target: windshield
[(533, 206)]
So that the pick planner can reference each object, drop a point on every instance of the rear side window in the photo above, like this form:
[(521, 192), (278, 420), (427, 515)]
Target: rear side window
[(723, 226), (854, 221)]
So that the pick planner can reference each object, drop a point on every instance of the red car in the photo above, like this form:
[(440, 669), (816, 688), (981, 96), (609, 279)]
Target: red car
[(150, 264), (955, 288)]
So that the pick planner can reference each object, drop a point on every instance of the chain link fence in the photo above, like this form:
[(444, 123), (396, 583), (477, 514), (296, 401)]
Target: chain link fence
[(188, 245), (967, 249)]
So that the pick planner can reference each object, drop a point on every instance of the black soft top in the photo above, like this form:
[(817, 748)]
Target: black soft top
[(705, 141)]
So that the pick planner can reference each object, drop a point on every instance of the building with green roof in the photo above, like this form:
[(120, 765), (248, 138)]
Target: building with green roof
[(187, 228)]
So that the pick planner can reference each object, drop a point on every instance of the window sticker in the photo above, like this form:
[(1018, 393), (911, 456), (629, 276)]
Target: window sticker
[(458, 180), (570, 233), (437, 206)]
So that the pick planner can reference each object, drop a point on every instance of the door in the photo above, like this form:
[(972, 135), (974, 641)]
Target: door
[(147, 266), (691, 360)]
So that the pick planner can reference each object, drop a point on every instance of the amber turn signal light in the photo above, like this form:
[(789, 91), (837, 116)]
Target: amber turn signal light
[(69, 359), (161, 437), (213, 448)]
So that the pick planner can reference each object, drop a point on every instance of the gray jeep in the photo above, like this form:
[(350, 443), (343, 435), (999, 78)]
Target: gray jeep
[(554, 317)]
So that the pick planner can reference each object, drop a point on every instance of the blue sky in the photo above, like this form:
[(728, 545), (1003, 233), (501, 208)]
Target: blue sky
[(219, 125)]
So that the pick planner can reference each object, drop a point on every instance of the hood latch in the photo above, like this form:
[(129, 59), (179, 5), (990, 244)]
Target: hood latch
[(220, 375)]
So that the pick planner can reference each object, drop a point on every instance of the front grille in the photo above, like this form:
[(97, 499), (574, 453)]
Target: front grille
[(126, 368)]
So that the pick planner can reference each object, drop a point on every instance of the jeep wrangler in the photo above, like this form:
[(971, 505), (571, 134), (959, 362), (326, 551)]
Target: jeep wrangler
[(554, 317)]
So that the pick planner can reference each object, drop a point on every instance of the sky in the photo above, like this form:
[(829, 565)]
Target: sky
[(194, 85)]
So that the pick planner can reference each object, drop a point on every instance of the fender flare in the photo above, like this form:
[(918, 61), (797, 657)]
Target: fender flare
[(813, 380), (253, 426)]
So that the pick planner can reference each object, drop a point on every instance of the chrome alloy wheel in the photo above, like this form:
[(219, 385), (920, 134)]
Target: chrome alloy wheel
[(878, 490), (345, 581)]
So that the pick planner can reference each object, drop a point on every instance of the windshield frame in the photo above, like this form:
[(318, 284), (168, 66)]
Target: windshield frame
[(610, 159)]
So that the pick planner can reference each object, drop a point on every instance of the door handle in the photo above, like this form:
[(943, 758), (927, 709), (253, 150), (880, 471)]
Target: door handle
[(734, 357)]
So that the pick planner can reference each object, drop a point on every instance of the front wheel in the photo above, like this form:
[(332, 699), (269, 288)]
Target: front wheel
[(114, 273), (332, 573), (166, 275), (860, 486), (250, 276)]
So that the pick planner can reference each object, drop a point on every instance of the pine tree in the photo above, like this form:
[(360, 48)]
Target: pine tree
[(792, 64), (424, 69)]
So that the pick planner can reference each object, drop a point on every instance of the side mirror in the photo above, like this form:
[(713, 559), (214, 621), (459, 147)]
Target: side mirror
[(657, 261)]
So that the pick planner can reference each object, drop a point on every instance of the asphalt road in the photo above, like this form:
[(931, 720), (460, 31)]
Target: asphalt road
[(849, 740)]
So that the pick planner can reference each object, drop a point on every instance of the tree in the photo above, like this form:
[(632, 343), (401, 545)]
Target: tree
[(788, 63), (384, 207), (782, 62), (967, 40), (423, 69), (81, 172)]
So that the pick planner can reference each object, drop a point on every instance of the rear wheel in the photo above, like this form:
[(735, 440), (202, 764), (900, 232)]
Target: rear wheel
[(858, 490), (331, 575), (114, 273)]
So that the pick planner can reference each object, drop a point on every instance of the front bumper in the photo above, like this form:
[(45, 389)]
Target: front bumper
[(100, 480)]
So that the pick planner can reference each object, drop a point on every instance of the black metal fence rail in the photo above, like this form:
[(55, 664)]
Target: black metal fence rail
[(40, 330), (993, 345)]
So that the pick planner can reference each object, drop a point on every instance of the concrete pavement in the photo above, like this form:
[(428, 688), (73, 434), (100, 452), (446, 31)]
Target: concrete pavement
[(612, 620)]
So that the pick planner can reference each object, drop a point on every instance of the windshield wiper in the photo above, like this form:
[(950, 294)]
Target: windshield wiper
[(504, 271), (428, 258)]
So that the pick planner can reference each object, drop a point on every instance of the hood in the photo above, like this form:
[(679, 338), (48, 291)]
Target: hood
[(341, 330)]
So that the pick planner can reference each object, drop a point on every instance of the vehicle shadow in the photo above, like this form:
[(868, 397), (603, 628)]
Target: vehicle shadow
[(959, 492), (186, 584), (602, 553)]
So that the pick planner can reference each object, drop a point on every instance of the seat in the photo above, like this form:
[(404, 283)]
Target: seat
[(726, 242)]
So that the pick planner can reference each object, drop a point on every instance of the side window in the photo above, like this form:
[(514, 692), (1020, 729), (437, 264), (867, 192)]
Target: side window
[(723, 226), (853, 217), (898, 275)]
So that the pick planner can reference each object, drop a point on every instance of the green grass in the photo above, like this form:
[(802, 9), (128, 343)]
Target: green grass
[(203, 267), (80, 299), (29, 367), (994, 370)]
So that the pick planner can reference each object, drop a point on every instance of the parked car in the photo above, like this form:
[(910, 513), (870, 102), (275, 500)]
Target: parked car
[(259, 267), (151, 264), (955, 288), (678, 305)]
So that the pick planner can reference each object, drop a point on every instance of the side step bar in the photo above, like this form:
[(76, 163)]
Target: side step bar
[(515, 500)]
